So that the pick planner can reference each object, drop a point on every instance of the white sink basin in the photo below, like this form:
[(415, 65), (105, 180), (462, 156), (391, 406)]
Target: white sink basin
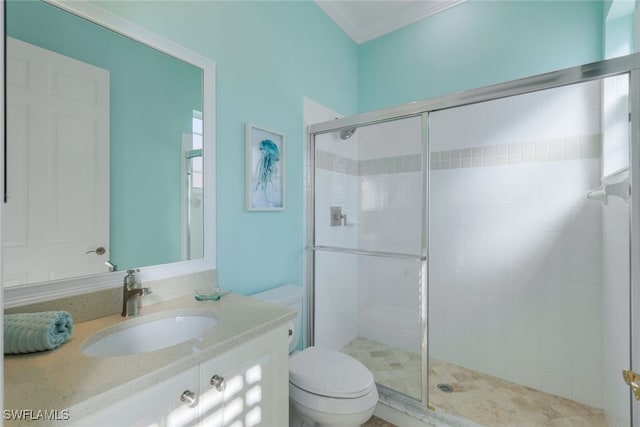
[(145, 336)]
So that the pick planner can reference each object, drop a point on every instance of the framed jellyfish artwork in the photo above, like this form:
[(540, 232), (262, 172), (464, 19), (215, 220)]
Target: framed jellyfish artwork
[(265, 163)]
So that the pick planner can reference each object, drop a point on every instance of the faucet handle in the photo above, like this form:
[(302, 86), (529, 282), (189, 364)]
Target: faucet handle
[(130, 279)]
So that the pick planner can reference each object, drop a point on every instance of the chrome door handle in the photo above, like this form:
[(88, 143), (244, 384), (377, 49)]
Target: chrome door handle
[(99, 251), (633, 380)]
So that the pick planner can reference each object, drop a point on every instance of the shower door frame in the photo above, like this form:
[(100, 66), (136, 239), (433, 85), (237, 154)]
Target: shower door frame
[(422, 257), (629, 64)]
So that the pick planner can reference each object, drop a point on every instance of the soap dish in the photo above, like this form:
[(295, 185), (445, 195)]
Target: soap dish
[(210, 294)]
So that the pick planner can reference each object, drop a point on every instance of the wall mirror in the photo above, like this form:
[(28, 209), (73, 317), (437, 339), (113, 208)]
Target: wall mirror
[(109, 152)]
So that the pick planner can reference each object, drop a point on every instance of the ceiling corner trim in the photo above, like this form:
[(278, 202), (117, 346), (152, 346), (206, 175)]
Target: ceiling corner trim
[(362, 29), (419, 11), (345, 19)]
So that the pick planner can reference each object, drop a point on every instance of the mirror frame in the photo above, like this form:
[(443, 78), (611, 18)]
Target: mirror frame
[(45, 291)]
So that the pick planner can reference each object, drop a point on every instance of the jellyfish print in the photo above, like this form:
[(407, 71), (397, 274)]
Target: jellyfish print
[(267, 167)]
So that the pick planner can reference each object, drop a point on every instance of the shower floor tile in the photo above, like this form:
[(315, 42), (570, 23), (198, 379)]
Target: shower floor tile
[(392, 367), (478, 397)]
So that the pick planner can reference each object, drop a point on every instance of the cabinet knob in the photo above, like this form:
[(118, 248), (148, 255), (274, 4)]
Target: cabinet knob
[(189, 398), (217, 381)]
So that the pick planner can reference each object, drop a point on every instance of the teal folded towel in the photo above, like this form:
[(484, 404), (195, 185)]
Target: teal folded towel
[(31, 332)]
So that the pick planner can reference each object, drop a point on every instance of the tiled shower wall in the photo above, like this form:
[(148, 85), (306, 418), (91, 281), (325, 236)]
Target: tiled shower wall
[(390, 221), (615, 251), (336, 296), (615, 311), (515, 246)]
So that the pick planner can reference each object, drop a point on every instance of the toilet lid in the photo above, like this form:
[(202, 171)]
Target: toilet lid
[(329, 373)]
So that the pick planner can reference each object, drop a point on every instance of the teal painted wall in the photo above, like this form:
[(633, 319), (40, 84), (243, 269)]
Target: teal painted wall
[(475, 44), (618, 37), (148, 114), (268, 56), (271, 54), (621, 20)]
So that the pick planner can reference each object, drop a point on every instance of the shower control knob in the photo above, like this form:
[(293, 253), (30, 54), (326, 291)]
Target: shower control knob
[(218, 383)]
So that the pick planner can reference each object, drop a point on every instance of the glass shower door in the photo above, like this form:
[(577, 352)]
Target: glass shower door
[(529, 262), (369, 250)]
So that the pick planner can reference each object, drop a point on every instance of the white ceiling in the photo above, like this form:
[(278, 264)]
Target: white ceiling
[(364, 20)]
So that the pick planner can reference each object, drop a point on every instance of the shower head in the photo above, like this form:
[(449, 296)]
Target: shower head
[(347, 133)]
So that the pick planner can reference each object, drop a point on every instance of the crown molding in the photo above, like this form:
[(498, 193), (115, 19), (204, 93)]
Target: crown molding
[(361, 31)]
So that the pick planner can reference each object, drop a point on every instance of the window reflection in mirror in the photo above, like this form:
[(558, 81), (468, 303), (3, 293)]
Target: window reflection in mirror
[(82, 99)]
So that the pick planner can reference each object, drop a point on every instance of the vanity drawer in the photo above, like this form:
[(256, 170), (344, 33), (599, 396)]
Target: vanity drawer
[(159, 405)]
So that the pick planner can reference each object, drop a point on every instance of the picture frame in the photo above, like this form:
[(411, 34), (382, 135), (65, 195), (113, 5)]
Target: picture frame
[(265, 169)]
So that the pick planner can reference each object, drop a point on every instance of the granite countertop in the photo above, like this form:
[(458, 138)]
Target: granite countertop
[(65, 378)]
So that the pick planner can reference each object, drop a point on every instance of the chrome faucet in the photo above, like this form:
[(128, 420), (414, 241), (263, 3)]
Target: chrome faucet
[(132, 290)]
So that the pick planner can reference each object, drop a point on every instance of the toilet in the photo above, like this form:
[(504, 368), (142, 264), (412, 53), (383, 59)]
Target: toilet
[(326, 387)]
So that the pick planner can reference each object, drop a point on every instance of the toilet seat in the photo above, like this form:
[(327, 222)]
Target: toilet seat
[(330, 374), (332, 405)]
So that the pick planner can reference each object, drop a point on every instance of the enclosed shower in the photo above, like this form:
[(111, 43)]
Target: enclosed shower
[(473, 251)]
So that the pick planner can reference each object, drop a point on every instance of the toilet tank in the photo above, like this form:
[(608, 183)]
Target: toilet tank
[(289, 296)]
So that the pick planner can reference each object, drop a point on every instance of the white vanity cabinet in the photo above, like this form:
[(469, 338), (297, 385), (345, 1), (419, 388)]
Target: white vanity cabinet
[(250, 388), (251, 383), (158, 405)]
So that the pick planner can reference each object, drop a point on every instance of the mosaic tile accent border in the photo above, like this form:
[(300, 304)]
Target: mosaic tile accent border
[(336, 163), (394, 164), (550, 150)]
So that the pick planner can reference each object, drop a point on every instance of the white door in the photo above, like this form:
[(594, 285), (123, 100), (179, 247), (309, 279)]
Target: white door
[(57, 206), (634, 162)]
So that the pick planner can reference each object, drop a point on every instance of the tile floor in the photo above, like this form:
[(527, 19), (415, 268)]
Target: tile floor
[(481, 398), (377, 422)]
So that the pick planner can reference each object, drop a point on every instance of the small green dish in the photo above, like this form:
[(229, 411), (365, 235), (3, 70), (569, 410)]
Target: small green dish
[(210, 294)]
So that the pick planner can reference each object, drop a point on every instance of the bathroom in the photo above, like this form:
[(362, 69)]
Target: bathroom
[(270, 56)]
